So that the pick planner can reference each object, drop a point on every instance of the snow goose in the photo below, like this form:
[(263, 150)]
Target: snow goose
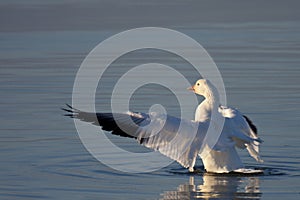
[(238, 131), (181, 139)]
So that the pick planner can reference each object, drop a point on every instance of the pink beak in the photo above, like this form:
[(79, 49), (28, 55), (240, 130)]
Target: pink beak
[(191, 89)]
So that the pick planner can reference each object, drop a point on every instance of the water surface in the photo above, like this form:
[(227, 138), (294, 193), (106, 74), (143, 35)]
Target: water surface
[(42, 157)]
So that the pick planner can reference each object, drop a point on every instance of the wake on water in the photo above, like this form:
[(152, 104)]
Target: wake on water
[(248, 171)]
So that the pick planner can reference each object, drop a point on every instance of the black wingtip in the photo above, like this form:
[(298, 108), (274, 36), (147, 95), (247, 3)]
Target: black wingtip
[(71, 107), (68, 105), (252, 126), (67, 110), (71, 112), (69, 115)]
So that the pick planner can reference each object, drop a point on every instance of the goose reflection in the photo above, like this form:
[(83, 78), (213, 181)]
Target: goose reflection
[(217, 187)]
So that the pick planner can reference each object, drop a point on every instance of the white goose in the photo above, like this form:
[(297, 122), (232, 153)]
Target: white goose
[(238, 131), (182, 139)]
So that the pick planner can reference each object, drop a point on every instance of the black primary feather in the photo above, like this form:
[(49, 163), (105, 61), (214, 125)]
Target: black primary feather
[(252, 126), (105, 120)]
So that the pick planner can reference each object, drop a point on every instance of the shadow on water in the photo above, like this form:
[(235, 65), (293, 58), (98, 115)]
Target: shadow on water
[(203, 185), (262, 171)]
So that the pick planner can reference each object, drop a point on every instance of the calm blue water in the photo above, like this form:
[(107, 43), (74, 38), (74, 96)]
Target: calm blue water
[(41, 155)]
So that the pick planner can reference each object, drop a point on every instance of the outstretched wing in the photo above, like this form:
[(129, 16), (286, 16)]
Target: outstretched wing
[(244, 132), (176, 138), (108, 121)]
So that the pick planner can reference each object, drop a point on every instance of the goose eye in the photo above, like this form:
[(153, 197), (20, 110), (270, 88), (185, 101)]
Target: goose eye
[(198, 84)]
